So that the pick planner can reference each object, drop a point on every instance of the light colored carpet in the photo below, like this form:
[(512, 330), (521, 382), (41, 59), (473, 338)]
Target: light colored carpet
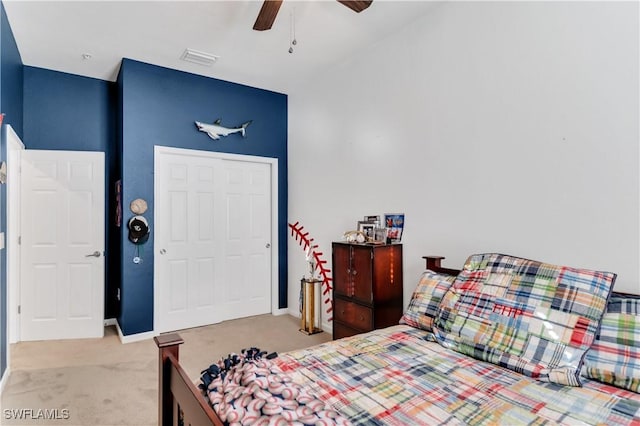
[(101, 382)]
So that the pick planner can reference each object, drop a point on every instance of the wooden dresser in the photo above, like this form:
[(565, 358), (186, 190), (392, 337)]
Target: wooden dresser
[(367, 287)]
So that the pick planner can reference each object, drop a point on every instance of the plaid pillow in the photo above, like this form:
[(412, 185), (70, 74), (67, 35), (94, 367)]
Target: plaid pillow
[(534, 318), (614, 357), (425, 299)]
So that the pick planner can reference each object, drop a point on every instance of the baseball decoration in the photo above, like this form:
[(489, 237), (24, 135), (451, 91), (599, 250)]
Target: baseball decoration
[(311, 253), (138, 206), (138, 227)]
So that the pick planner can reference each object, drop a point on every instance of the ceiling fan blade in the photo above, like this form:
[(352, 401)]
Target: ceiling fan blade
[(267, 15), (356, 5)]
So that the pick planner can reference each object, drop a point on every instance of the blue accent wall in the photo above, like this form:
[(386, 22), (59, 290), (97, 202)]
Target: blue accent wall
[(74, 113), (11, 74), (67, 112), (159, 107), (11, 105)]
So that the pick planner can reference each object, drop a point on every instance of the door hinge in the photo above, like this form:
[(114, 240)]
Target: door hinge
[(19, 309), (118, 294), (20, 240)]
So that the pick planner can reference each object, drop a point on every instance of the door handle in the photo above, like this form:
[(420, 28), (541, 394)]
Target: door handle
[(94, 254)]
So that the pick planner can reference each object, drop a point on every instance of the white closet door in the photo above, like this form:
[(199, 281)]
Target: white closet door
[(247, 230), (62, 263), (212, 239)]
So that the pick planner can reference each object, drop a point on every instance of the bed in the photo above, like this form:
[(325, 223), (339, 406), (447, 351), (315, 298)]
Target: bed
[(423, 371)]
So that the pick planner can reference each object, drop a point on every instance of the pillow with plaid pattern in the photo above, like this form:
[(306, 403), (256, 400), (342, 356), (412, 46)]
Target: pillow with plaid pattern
[(614, 357), (531, 317), (426, 298)]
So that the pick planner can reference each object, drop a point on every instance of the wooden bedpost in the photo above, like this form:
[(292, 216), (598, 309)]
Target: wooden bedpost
[(168, 344), (434, 263)]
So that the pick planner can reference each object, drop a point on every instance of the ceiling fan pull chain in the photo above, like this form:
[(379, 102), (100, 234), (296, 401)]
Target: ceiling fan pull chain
[(292, 31)]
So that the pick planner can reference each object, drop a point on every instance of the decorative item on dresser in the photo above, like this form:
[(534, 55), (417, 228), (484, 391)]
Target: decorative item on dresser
[(367, 287)]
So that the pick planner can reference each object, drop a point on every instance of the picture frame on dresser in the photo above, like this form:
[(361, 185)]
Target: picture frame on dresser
[(394, 222), (368, 229), (380, 235)]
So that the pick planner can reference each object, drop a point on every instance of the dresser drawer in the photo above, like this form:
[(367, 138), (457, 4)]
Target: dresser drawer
[(354, 315)]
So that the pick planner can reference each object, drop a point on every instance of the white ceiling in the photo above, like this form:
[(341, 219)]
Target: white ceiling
[(55, 35)]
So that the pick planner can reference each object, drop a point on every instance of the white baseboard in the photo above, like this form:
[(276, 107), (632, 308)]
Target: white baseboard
[(294, 312), (110, 321), (4, 379), (134, 337), (278, 312)]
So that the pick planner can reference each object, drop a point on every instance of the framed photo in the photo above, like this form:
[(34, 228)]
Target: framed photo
[(395, 225), (372, 219), (380, 235), (367, 228)]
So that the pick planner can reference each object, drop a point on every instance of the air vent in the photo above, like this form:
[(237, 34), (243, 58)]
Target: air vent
[(200, 58)]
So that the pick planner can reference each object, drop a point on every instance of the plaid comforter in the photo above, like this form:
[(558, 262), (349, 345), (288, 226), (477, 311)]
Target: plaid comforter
[(396, 376)]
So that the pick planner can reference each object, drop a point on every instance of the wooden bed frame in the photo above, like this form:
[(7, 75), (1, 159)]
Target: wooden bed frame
[(180, 402)]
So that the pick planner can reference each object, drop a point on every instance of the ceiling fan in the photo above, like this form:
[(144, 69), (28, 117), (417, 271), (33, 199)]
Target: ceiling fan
[(270, 8)]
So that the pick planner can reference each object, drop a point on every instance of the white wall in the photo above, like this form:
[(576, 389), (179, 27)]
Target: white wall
[(506, 126)]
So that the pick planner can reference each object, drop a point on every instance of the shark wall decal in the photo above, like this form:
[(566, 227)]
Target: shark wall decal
[(216, 130)]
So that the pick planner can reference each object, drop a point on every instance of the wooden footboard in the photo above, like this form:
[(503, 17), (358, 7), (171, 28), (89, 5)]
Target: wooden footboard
[(180, 402)]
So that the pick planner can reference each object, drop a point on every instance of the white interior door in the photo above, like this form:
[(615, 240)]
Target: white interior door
[(188, 258), (246, 205), (14, 151), (62, 240), (212, 240)]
